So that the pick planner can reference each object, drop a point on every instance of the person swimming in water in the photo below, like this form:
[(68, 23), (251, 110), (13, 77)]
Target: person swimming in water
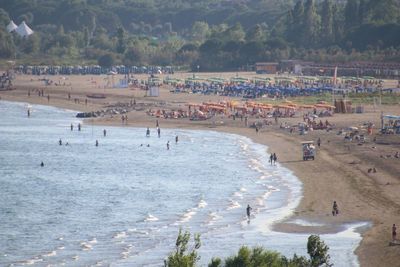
[(42, 164), (248, 211)]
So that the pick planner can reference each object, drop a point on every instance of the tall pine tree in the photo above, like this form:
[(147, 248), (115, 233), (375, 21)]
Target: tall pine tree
[(327, 31), (312, 24), (351, 15)]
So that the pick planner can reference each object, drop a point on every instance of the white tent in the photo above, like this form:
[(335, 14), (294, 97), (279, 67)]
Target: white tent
[(24, 30), (11, 26)]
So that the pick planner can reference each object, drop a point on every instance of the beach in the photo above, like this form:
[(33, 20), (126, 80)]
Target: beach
[(338, 173)]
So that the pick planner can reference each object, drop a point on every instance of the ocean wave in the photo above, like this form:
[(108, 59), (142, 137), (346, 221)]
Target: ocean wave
[(186, 216), (238, 194), (151, 218), (202, 204), (120, 235), (32, 261), (233, 205), (50, 254), (86, 246)]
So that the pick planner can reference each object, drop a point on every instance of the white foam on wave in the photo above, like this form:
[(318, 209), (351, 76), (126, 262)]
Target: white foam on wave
[(238, 194), (202, 204), (187, 216), (212, 218), (242, 189), (233, 205), (86, 246), (75, 258), (120, 235), (50, 254), (93, 241), (32, 261), (151, 218)]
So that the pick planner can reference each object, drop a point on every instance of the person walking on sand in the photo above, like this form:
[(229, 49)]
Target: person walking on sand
[(335, 209), (248, 211), (275, 158), (148, 132), (319, 142), (394, 233)]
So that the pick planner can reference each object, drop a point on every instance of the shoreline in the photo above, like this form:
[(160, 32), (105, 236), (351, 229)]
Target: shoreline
[(332, 176), (266, 223)]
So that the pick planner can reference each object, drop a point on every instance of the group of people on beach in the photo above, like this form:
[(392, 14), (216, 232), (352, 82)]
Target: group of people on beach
[(273, 158)]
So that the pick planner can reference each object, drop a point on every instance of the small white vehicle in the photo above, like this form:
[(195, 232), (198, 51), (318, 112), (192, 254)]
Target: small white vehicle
[(308, 150)]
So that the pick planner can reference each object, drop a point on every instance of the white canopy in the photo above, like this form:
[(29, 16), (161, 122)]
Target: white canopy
[(24, 30), (11, 26)]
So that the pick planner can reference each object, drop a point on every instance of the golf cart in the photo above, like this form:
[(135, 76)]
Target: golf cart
[(308, 150)]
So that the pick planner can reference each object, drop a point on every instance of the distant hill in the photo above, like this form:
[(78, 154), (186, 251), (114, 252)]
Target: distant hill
[(213, 34)]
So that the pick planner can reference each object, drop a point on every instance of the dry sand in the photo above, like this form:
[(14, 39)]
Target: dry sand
[(338, 173)]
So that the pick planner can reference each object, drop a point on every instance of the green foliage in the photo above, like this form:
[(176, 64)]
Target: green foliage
[(318, 251), (227, 36), (182, 257), (106, 60)]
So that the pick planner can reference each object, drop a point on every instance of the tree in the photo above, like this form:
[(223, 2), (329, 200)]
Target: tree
[(182, 256), (7, 48), (311, 24), (121, 45), (327, 31), (200, 31), (351, 14), (318, 251), (256, 34), (106, 60)]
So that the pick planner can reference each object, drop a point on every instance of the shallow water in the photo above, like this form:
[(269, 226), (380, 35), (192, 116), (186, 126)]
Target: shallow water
[(122, 203)]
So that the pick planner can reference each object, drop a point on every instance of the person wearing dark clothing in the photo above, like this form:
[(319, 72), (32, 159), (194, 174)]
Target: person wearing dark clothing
[(275, 158), (248, 211)]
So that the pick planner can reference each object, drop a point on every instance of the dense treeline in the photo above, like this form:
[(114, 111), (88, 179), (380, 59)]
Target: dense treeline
[(206, 34)]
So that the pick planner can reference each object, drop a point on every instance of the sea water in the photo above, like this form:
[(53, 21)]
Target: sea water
[(122, 203)]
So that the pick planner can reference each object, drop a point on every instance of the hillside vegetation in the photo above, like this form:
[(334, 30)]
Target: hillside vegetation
[(212, 34)]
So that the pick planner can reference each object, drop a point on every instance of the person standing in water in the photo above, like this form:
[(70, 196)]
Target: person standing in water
[(42, 164), (271, 158), (104, 132), (159, 132), (275, 158), (60, 142), (97, 143), (72, 127), (79, 127), (168, 145), (248, 211), (176, 139), (29, 112), (148, 132)]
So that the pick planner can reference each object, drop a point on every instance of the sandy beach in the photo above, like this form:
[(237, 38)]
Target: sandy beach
[(339, 172)]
